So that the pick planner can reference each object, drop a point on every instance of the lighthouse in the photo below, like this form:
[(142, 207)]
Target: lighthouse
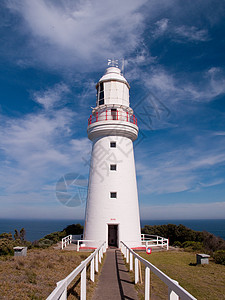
[(112, 209)]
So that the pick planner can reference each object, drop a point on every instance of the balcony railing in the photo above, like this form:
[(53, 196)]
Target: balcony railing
[(115, 115)]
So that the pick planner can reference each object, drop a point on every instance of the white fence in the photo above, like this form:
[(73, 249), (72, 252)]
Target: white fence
[(66, 240), (60, 292), (174, 289), (154, 241)]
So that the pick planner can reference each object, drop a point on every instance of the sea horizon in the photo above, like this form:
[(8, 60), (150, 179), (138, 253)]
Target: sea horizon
[(38, 228)]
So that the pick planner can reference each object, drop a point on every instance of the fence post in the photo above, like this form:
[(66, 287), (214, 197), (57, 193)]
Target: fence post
[(78, 246), (171, 294), (147, 283), (127, 256), (83, 284), (131, 261), (92, 271), (96, 262), (64, 294), (136, 270), (99, 256)]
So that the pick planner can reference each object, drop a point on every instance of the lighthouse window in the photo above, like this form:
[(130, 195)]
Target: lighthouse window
[(113, 167), (114, 113), (101, 94), (113, 144), (113, 194)]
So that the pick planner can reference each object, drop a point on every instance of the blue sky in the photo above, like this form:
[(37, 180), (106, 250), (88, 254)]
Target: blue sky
[(53, 53)]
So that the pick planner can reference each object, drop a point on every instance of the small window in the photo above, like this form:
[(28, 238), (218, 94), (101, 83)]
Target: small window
[(113, 194), (113, 144), (113, 167), (101, 102), (114, 113)]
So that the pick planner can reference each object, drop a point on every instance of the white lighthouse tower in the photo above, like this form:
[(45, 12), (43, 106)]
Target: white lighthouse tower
[(112, 210)]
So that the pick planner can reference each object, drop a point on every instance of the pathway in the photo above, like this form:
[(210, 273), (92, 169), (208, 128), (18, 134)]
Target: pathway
[(114, 281)]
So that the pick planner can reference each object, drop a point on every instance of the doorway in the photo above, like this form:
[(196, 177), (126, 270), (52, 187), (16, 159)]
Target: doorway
[(113, 235)]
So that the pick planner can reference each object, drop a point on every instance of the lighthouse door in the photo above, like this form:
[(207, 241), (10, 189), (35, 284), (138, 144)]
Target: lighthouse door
[(113, 235)]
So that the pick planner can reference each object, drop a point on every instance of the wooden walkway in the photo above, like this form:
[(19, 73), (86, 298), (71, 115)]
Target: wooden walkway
[(114, 281)]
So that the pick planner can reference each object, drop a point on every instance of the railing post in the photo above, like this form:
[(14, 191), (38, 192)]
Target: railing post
[(157, 240), (131, 261), (99, 255), (127, 256), (136, 270), (96, 262), (171, 294), (147, 283), (83, 284), (92, 271), (167, 244), (64, 294), (78, 246)]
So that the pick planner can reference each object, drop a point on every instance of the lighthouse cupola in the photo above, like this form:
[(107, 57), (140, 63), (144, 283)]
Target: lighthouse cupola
[(112, 88)]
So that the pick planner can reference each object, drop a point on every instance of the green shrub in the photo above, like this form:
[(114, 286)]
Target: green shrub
[(6, 247), (219, 257), (193, 245), (43, 243), (74, 229), (177, 244)]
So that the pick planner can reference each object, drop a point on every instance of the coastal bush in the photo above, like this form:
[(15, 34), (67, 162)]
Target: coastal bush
[(192, 245), (74, 229), (6, 235), (175, 233), (43, 243), (212, 243), (179, 234), (6, 247), (219, 257), (55, 236)]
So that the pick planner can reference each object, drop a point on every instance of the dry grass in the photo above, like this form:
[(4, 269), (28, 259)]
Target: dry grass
[(35, 276), (205, 282)]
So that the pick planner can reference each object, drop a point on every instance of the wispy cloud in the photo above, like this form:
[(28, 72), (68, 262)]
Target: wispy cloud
[(191, 33), (185, 168), (52, 96), (61, 34), (179, 32)]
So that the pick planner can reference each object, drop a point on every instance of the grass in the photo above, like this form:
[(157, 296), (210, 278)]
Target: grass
[(202, 281), (35, 276)]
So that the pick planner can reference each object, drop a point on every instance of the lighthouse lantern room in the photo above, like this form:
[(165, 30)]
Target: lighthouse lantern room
[(112, 210)]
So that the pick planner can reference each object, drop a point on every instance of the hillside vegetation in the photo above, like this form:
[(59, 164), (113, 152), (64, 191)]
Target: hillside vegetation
[(183, 237)]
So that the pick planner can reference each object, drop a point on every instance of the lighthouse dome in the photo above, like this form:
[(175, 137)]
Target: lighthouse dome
[(112, 88), (114, 73)]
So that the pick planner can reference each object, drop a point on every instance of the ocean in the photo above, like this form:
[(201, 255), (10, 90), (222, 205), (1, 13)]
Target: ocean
[(36, 229)]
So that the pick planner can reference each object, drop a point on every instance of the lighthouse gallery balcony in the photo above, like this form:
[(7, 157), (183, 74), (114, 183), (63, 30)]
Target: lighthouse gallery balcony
[(112, 114), (112, 122)]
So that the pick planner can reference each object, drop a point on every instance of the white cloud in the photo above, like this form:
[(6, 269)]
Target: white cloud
[(191, 33), (38, 149), (185, 168), (161, 27), (52, 96), (80, 32)]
